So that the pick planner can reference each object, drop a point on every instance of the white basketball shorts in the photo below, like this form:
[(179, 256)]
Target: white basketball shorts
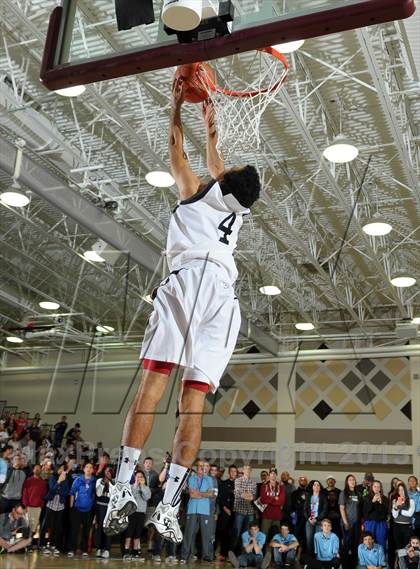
[(195, 322)]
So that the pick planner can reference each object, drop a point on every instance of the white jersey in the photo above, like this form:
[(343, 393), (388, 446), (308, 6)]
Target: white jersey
[(205, 226)]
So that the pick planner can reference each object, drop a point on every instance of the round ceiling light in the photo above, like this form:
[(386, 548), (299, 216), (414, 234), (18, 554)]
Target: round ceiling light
[(289, 46), (377, 226), (49, 305), (270, 290), (14, 340), (341, 150), (71, 91), (104, 329), (93, 256), (14, 199), (160, 179), (403, 280), (304, 326)]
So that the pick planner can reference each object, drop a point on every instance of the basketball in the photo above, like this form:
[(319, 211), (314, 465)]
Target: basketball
[(199, 79)]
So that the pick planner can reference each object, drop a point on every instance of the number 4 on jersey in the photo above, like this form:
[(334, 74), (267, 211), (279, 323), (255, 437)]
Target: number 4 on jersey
[(226, 227)]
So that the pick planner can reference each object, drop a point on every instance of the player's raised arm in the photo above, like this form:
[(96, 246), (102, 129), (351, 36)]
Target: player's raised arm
[(215, 162), (188, 183)]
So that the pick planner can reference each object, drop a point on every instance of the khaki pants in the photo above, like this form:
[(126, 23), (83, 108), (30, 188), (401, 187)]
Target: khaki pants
[(33, 515)]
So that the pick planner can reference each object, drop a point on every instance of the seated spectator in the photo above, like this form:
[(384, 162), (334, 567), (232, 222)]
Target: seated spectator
[(58, 490), (14, 530), (409, 557), (103, 486), (375, 513), (253, 542), (414, 493), (33, 495), (141, 493), (316, 508), (74, 435), (403, 508), (11, 492), (82, 497), (284, 546), (327, 546), (371, 555), (5, 455), (273, 495)]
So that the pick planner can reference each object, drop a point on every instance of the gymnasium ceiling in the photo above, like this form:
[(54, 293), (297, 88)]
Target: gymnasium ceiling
[(102, 144)]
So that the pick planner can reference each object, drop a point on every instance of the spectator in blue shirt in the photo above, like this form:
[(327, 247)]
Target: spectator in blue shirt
[(327, 546), (82, 498), (284, 546), (413, 492), (200, 487), (371, 554), (253, 542)]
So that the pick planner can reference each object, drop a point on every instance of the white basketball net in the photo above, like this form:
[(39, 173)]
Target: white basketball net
[(238, 118)]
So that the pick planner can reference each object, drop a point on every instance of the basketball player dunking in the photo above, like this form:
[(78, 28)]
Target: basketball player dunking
[(195, 320)]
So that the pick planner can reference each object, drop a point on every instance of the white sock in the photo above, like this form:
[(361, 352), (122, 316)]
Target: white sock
[(128, 462), (175, 483)]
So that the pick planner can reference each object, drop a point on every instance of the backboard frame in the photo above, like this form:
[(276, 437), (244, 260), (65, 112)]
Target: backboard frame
[(55, 73)]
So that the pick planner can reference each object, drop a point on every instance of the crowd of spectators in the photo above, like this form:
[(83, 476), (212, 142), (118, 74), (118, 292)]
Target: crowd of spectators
[(53, 501)]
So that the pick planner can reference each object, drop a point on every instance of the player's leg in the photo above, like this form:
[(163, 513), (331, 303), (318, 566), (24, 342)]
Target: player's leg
[(137, 428), (185, 449)]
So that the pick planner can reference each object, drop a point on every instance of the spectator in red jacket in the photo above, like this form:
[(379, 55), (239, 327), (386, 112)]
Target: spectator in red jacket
[(273, 495), (21, 423), (33, 496)]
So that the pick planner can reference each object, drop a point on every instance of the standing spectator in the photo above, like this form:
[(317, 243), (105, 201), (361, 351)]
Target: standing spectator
[(21, 424), (4, 435), (327, 547), (284, 546), (391, 544), (289, 489), (263, 480), (11, 492), (299, 498), (5, 456), (141, 494), (363, 488), (15, 442), (74, 435), (153, 482), (14, 530), (214, 508), (371, 555), (253, 542), (375, 514), (82, 496), (243, 507), (350, 510), (316, 508), (403, 508), (159, 543), (34, 431), (226, 499), (33, 495), (59, 430), (29, 451), (103, 485), (200, 489), (409, 557), (10, 423), (333, 512), (273, 495), (58, 490), (414, 493)]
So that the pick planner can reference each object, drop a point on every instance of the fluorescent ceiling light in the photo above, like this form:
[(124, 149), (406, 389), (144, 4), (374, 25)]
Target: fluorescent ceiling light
[(403, 280), (49, 305), (14, 340), (416, 320), (71, 91), (341, 150), (104, 329), (160, 179), (14, 199), (304, 326), (289, 46), (270, 290), (377, 226), (93, 256)]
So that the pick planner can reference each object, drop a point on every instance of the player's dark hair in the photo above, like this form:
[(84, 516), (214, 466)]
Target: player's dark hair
[(244, 184)]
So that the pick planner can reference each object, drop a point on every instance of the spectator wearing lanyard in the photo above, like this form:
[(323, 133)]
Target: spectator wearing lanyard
[(316, 508), (371, 555), (200, 489), (350, 510), (414, 493), (375, 514), (273, 495), (327, 547), (82, 497)]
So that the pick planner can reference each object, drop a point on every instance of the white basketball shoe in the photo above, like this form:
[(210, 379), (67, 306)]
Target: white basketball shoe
[(121, 505), (165, 520)]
